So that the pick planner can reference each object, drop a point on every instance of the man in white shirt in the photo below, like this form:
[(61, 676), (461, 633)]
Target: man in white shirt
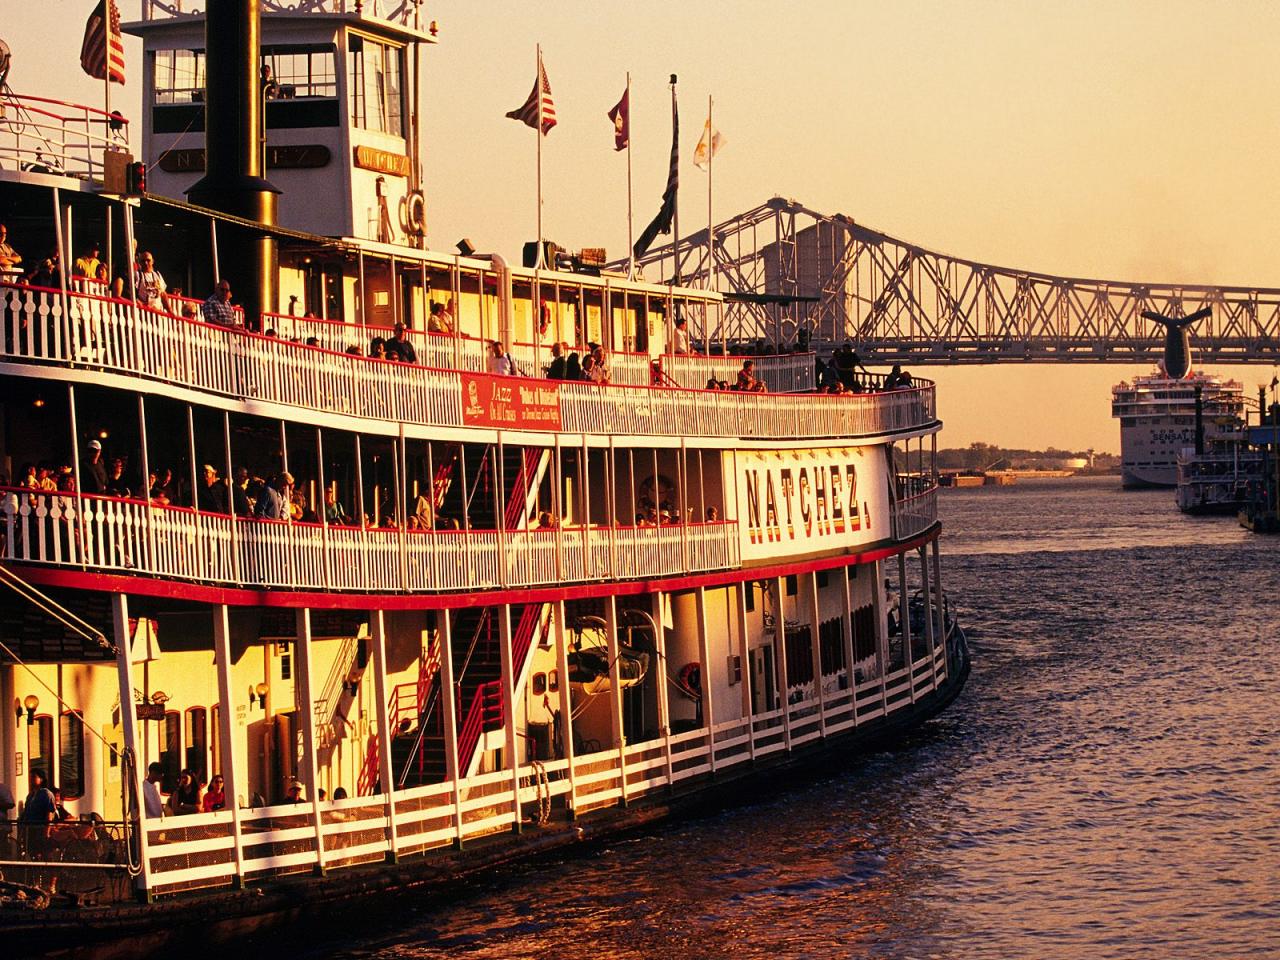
[(148, 284), (681, 345), (500, 361), (152, 805)]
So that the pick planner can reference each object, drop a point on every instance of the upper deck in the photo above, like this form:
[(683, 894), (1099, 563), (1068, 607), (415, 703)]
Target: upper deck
[(105, 339)]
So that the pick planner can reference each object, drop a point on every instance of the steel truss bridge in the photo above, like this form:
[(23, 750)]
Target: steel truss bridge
[(795, 272)]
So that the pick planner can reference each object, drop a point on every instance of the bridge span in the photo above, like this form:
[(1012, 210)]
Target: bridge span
[(794, 272)]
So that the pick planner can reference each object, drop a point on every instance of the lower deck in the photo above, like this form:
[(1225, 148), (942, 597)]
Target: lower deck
[(553, 712)]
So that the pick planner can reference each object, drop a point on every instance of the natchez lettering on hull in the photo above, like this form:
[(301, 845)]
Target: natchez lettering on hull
[(799, 501)]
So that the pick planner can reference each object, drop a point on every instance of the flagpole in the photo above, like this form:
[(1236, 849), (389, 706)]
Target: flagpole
[(675, 246), (538, 85), (711, 152), (631, 233)]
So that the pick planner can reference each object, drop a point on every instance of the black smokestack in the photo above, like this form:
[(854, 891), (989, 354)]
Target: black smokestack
[(233, 180)]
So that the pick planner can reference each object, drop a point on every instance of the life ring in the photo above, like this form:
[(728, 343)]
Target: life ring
[(413, 213), (689, 680), (544, 320)]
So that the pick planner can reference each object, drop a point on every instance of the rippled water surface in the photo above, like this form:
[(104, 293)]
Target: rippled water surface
[(1107, 786)]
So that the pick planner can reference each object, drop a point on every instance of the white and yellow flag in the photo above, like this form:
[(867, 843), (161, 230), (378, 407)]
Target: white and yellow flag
[(708, 146)]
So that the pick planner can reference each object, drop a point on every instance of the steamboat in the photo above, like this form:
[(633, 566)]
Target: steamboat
[(334, 584)]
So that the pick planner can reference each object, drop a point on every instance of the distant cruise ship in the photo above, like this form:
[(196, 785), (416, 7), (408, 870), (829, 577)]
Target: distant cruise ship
[(1158, 419)]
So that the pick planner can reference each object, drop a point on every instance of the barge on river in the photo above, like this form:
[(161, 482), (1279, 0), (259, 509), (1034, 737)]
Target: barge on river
[(357, 617)]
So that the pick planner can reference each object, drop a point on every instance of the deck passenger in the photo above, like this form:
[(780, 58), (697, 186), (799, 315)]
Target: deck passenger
[(87, 263), (274, 502), (500, 362), (215, 798), (93, 470), (10, 259), (335, 512), (378, 348), (152, 804), (441, 319), (47, 273), (573, 367), (600, 368), (217, 309), (556, 370), (399, 347), (747, 381), (681, 342), (186, 795)]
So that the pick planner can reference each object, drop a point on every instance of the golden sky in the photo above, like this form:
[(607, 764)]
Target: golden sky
[(1121, 140)]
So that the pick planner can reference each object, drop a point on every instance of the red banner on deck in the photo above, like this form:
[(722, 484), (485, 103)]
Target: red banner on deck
[(510, 402)]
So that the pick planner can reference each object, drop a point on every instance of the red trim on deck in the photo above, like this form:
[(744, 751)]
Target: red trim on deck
[(242, 597)]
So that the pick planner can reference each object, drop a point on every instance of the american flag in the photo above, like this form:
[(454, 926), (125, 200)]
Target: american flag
[(102, 53), (528, 112)]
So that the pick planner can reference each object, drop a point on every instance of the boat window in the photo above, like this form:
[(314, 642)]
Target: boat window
[(179, 76), (197, 742), (373, 83), (40, 746), (539, 684), (553, 680), (71, 755), (170, 757), (216, 740), (302, 70)]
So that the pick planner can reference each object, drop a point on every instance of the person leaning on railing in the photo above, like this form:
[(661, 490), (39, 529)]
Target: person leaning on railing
[(148, 283), (10, 259), (217, 309)]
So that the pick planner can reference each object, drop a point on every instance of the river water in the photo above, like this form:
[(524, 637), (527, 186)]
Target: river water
[(1107, 786)]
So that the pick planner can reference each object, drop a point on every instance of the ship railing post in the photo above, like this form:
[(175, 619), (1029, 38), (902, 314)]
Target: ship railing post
[(939, 606), (664, 703), (705, 674), (509, 711), (780, 659), (382, 697), (566, 705), (616, 725), (846, 629), (232, 775), (904, 621), (449, 703), (744, 659), (306, 706), (928, 615), (129, 729), (815, 642), (882, 633)]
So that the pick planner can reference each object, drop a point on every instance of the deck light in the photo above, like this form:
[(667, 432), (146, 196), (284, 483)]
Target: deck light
[(38, 402), (31, 702), (352, 683), (258, 693)]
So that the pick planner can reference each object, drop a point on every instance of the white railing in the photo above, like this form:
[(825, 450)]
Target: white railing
[(403, 12), (914, 515), (790, 373), (200, 850), (117, 535), (41, 135), (108, 334)]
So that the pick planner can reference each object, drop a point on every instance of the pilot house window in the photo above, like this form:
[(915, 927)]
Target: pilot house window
[(374, 85)]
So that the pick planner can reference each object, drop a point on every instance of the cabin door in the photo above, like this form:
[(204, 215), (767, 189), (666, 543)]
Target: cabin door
[(112, 803), (763, 685)]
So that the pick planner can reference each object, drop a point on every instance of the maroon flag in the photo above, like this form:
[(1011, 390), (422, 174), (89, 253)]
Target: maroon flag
[(538, 104), (620, 116), (102, 53)]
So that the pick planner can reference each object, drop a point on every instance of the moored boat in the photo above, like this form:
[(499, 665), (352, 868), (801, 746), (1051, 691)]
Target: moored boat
[(343, 589)]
